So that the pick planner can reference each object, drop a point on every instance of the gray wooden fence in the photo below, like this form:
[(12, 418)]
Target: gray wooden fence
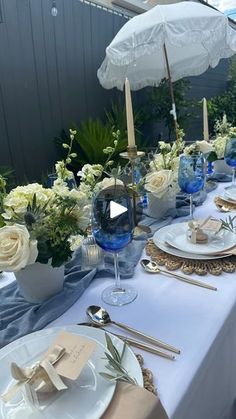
[(48, 76)]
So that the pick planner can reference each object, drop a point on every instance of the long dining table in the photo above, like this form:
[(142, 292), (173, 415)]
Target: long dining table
[(201, 382)]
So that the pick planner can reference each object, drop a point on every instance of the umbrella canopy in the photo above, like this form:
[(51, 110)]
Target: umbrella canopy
[(195, 36)]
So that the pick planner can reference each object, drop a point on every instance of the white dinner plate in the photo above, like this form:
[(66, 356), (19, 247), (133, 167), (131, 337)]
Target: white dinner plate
[(230, 194), (159, 240), (177, 237), (87, 399), (226, 199)]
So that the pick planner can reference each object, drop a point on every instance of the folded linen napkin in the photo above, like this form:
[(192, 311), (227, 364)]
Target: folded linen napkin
[(135, 403)]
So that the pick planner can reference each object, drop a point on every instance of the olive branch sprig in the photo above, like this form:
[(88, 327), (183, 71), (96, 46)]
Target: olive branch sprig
[(228, 224), (114, 365)]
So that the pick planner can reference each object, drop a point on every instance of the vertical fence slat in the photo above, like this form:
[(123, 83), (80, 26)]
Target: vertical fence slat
[(48, 77)]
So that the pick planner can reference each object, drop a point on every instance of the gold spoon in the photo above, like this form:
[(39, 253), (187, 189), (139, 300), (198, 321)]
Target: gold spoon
[(153, 268), (100, 316)]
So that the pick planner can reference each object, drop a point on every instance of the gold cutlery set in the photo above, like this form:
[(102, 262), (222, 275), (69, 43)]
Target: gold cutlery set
[(99, 317)]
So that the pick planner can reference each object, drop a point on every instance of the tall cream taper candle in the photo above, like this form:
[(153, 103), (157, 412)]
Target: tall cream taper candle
[(205, 121), (129, 115)]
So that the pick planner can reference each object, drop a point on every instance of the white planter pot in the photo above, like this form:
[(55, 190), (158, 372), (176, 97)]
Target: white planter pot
[(221, 167), (40, 281), (158, 207)]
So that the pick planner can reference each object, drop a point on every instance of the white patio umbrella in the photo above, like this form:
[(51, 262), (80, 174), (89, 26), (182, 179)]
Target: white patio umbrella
[(172, 41)]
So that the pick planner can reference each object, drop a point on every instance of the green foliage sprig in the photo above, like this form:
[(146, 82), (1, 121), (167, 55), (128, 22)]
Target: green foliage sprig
[(226, 102), (228, 224), (114, 365)]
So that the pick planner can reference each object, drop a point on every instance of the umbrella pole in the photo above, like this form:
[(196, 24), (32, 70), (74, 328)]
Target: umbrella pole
[(173, 110)]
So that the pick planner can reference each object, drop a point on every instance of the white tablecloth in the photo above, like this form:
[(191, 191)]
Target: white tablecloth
[(201, 383)]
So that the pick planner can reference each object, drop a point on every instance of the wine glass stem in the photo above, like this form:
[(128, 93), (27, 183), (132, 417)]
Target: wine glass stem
[(117, 272), (191, 206), (233, 176)]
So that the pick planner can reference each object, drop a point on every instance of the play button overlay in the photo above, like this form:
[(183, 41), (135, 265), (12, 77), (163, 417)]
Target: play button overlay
[(116, 209)]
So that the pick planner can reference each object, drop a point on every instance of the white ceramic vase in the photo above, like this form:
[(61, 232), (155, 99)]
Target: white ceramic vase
[(221, 167), (40, 281), (158, 207)]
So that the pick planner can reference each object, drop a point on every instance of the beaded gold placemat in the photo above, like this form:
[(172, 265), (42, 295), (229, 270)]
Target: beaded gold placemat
[(224, 205), (189, 266), (147, 376)]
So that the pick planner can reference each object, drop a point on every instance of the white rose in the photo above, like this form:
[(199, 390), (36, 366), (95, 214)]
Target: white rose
[(159, 182), (205, 146), (16, 248), (110, 181)]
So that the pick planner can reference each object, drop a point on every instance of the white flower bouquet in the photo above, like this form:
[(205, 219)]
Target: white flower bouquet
[(39, 224), (163, 175), (215, 149)]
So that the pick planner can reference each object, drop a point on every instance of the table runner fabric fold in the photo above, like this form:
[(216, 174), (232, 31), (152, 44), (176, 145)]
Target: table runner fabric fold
[(19, 317)]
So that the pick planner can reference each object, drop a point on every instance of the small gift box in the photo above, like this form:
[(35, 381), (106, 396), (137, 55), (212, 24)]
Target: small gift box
[(46, 379), (201, 232)]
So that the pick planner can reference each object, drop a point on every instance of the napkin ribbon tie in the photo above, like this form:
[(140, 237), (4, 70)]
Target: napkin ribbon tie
[(28, 374)]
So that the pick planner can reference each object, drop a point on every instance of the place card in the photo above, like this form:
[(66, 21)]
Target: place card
[(212, 225), (78, 351), (60, 366)]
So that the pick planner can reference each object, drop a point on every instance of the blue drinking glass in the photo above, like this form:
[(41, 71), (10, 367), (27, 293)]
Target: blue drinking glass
[(191, 176), (113, 230), (230, 158)]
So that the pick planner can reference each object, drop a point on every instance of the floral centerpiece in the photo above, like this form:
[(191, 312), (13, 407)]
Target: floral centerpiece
[(214, 150), (161, 180), (41, 226)]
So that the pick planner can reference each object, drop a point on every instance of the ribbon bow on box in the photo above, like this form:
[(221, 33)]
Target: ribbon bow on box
[(196, 234), (42, 375), (209, 225)]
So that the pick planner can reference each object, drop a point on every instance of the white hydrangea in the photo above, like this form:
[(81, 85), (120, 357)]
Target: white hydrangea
[(19, 198)]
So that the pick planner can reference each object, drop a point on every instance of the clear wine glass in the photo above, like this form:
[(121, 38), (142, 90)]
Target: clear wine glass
[(112, 233), (230, 159), (191, 175)]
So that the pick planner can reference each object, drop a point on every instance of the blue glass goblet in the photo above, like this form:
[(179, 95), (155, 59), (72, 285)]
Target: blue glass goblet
[(112, 225), (230, 158), (191, 176)]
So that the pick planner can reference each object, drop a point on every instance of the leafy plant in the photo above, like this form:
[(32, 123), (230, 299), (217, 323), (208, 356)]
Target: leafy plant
[(91, 138), (158, 105), (116, 118), (8, 174), (225, 103)]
